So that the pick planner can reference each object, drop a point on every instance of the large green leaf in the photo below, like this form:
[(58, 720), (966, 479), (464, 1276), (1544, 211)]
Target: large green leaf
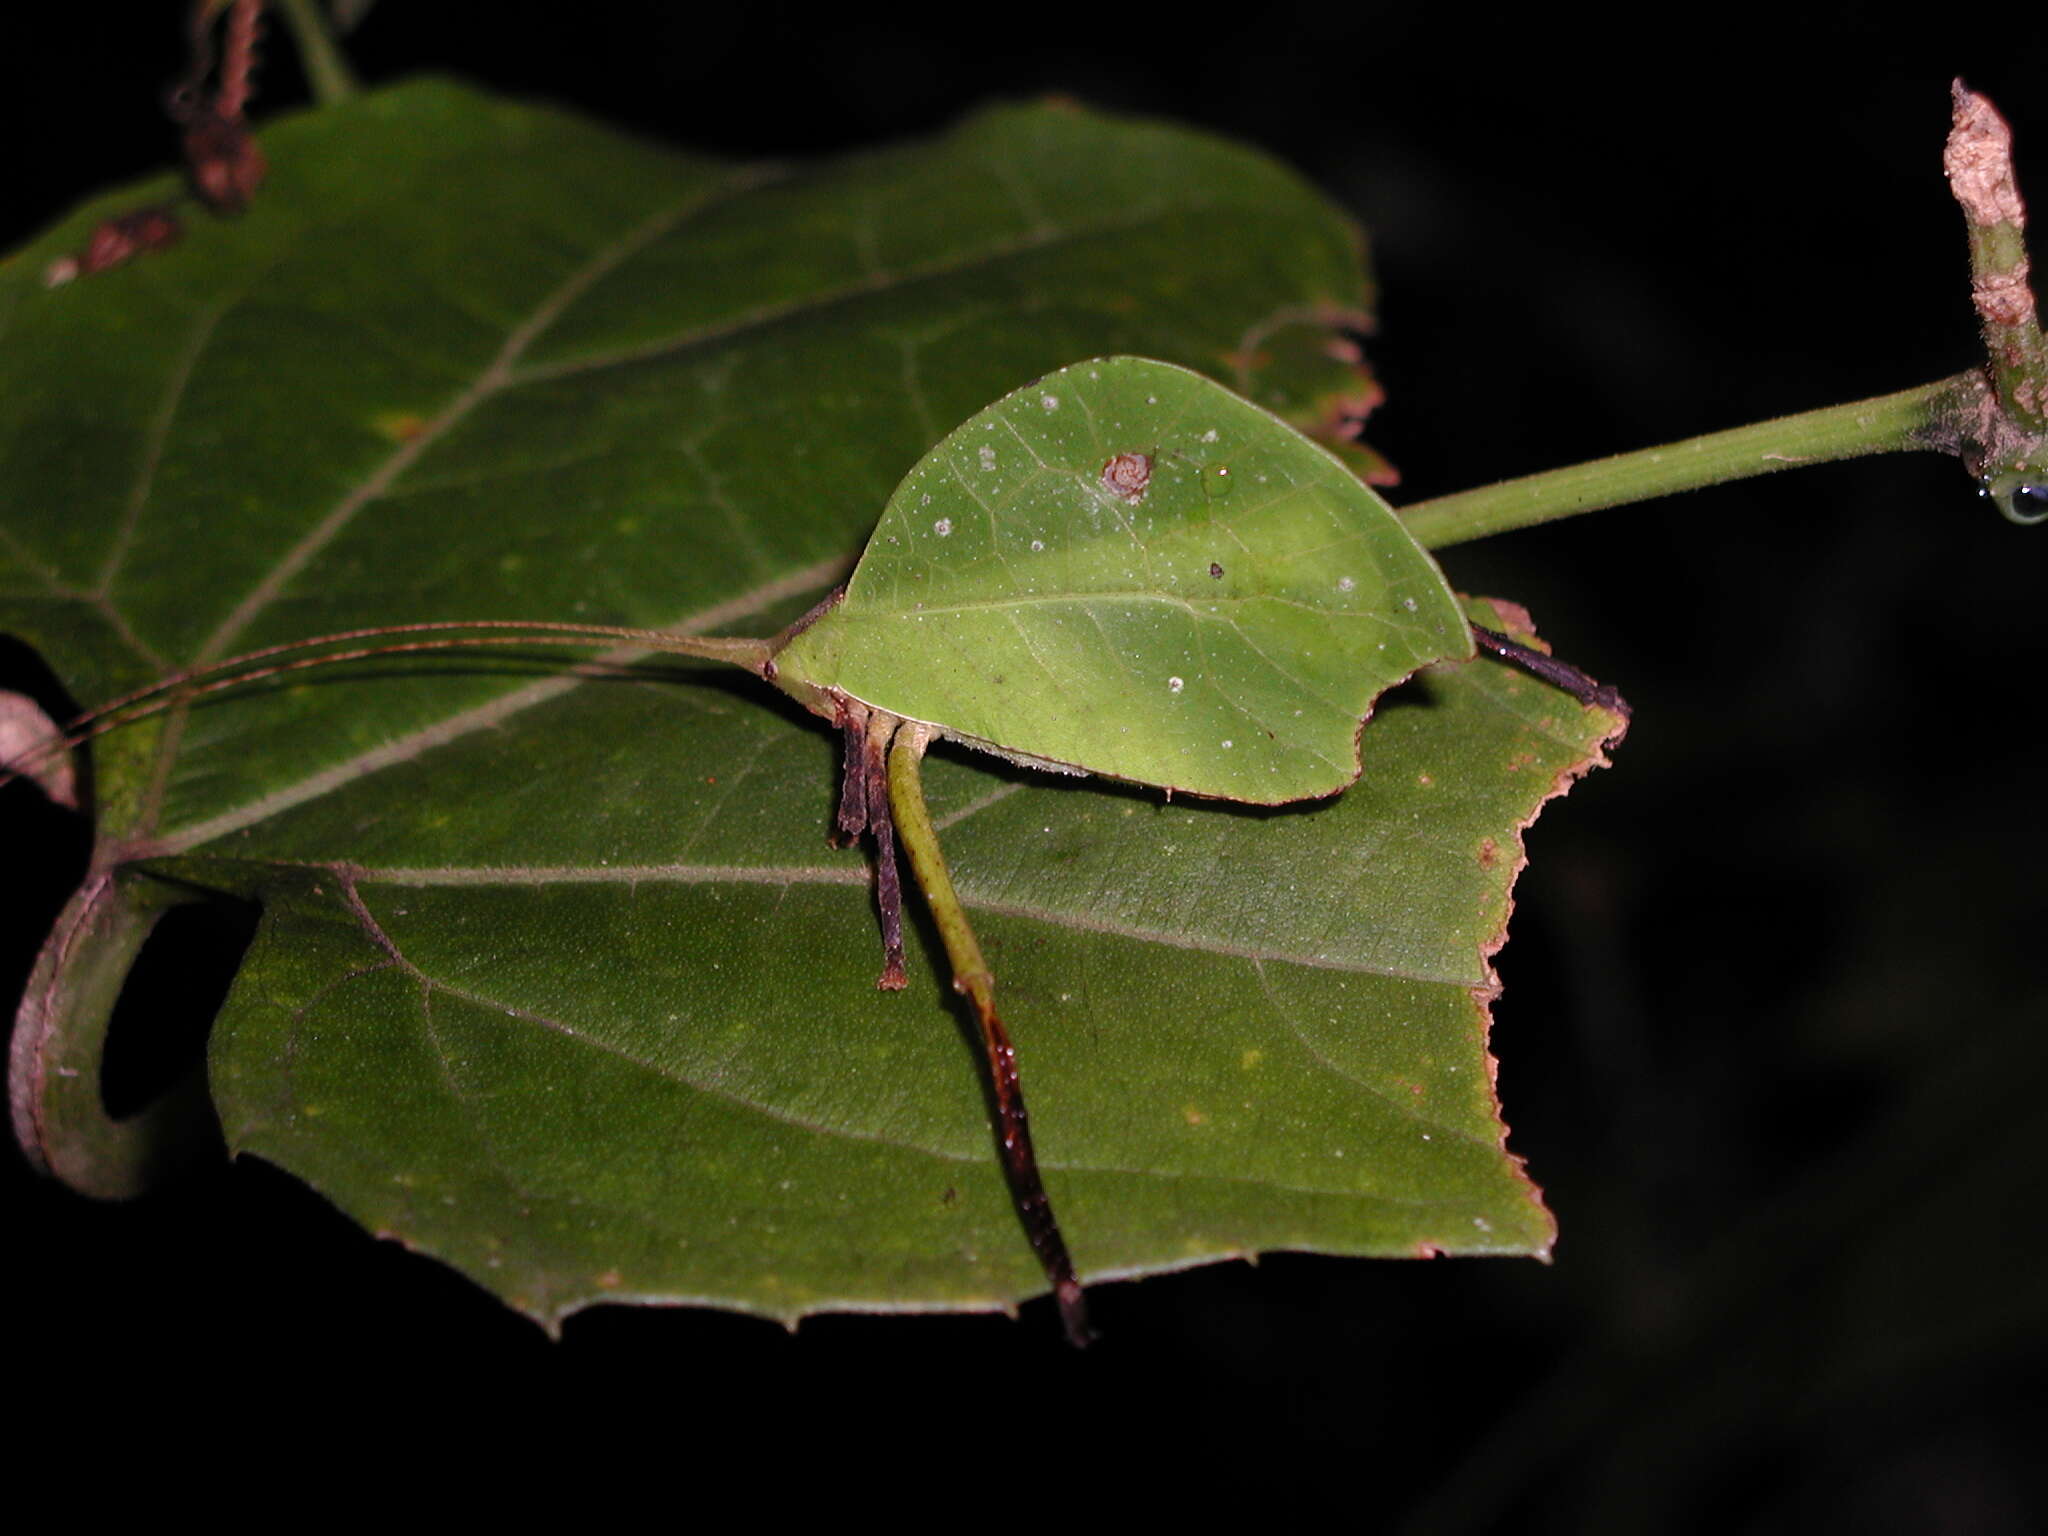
[(556, 977)]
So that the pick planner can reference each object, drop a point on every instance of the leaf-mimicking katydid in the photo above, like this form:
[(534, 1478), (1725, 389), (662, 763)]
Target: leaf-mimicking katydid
[(1121, 569)]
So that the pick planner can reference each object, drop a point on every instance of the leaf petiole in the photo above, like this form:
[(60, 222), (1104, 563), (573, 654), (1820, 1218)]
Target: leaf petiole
[(327, 67), (1911, 419)]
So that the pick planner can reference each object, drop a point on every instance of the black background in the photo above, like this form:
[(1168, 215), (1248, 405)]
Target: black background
[(1772, 1037)]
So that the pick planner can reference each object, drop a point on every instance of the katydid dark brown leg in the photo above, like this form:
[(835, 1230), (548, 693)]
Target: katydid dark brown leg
[(853, 780), (888, 888), (1020, 1167), (1559, 674)]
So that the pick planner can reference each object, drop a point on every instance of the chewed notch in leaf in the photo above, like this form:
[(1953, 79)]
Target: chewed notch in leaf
[(1126, 569)]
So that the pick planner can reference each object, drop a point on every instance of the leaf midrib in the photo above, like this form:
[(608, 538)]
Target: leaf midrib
[(850, 874)]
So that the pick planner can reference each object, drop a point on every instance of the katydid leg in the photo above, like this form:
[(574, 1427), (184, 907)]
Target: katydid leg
[(972, 978), (888, 891), (853, 778), (1559, 674)]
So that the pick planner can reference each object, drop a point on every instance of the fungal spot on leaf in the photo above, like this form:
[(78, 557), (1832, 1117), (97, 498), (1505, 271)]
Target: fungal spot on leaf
[(398, 426), (1174, 685), (943, 527), (1345, 584), (1215, 570), (1489, 853), (1037, 546), (988, 457), (1127, 475), (1050, 402)]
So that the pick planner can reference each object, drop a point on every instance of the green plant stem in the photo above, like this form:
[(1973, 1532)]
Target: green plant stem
[(60, 1039), (1910, 419), (325, 64)]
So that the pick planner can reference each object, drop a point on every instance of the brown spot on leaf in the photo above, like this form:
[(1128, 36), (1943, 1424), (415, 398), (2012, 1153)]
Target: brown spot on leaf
[(1489, 853), (116, 240), (1127, 475), (399, 426)]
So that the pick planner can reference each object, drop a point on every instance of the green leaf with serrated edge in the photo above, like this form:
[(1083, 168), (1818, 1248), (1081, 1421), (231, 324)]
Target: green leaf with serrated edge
[(556, 977), (1125, 568)]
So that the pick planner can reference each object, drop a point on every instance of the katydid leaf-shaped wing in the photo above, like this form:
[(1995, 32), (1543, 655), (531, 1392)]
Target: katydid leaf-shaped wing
[(1127, 569)]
